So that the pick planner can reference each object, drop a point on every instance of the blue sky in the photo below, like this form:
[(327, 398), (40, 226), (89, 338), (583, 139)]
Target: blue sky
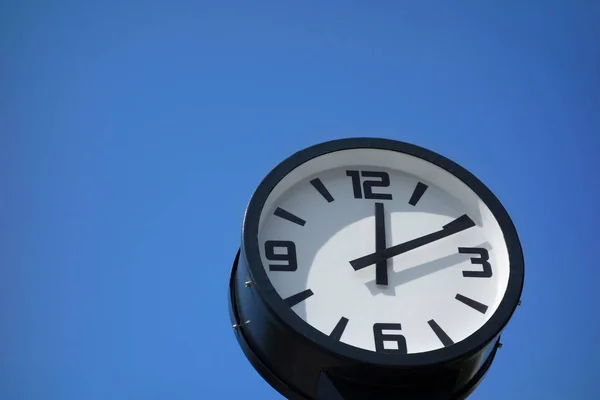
[(133, 134)]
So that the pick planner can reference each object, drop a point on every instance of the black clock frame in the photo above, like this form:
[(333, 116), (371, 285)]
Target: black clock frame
[(273, 336)]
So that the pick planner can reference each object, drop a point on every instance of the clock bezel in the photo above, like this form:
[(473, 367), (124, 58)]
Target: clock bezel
[(275, 304)]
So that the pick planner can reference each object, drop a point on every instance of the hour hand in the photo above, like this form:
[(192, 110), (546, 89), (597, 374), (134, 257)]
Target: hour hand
[(459, 224), (381, 267)]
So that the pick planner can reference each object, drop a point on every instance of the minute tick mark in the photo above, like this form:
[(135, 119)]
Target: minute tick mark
[(281, 213), (439, 332), (482, 308), (317, 184), (337, 332), (298, 297), (417, 193)]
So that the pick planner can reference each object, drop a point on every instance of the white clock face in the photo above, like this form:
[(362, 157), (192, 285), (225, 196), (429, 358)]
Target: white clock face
[(323, 235)]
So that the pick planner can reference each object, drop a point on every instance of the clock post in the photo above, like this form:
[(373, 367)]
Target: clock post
[(373, 269)]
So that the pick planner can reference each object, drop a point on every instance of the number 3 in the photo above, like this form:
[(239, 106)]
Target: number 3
[(482, 260)]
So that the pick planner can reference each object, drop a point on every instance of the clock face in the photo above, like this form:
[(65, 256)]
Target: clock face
[(383, 251)]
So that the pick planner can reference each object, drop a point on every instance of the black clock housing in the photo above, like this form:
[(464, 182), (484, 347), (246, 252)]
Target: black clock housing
[(302, 363)]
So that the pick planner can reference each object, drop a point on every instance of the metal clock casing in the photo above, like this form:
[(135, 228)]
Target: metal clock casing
[(303, 363)]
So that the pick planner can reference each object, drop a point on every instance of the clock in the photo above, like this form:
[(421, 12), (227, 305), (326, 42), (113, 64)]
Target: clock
[(371, 268)]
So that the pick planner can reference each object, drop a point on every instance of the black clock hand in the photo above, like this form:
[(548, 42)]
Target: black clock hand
[(460, 224), (381, 273)]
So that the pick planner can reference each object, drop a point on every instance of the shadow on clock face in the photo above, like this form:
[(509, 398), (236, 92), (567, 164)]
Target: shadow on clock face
[(399, 278)]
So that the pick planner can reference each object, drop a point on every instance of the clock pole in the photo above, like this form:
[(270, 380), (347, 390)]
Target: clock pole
[(331, 389)]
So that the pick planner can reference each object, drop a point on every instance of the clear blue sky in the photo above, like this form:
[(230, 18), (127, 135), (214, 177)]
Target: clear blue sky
[(133, 134)]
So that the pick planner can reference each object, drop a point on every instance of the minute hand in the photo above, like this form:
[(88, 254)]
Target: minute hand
[(460, 224)]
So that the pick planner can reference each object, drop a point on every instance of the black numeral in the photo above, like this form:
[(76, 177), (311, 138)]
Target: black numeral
[(382, 179), (289, 256), (482, 260), (398, 341)]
